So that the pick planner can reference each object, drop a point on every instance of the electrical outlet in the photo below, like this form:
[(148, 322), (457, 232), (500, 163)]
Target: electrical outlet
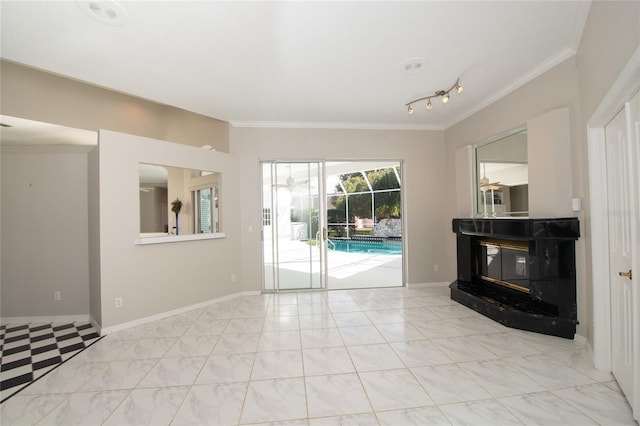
[(436, 267), (118, 302), (233, 278), (57, 296)]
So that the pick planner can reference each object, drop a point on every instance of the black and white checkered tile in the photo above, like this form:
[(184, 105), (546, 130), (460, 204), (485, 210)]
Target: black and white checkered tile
[(31, 350)]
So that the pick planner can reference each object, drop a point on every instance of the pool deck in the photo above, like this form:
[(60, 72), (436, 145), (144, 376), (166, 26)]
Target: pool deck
[(345, 271)]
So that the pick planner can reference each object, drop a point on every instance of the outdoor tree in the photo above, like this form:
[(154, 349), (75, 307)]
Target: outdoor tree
[(387, 204)]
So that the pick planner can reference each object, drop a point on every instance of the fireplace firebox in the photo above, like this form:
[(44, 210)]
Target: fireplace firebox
[(505, 263), (519, 272)]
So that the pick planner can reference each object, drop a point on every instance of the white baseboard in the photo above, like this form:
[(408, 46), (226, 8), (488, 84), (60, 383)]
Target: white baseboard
[(582, 341), (434, 284), (54, 319), (589, 350), (95, 325), (129, 324)]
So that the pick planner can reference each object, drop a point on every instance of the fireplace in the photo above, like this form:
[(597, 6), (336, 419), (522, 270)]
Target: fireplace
[(519, 272)]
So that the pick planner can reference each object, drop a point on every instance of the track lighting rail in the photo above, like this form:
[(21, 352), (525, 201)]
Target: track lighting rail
[(444, 94)]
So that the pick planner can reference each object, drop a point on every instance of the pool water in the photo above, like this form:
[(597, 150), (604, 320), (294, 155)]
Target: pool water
[(369, 247)]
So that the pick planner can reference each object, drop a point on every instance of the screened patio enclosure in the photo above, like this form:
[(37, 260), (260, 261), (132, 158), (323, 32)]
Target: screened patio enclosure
[(331, 224)]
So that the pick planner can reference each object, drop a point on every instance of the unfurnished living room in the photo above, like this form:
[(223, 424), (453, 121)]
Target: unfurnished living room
[(319, 212)]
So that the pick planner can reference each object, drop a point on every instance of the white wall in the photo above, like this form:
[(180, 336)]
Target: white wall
[(44, 231), (153, 279), (424, 172)]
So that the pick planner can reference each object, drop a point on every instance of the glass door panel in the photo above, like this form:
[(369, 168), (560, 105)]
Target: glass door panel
[(364, 223), (292, 244)]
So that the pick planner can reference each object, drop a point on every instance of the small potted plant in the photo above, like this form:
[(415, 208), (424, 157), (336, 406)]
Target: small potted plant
[(176, 206)]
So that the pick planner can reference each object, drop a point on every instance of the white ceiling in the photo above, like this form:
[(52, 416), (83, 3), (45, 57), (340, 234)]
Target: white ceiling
[(299, 63)]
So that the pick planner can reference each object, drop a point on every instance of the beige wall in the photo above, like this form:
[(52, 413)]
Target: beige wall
[(610, 37), (93, 214), (153, 209), (549, 155), (36, 95), (44, 231), (421, 151), (153, 279)]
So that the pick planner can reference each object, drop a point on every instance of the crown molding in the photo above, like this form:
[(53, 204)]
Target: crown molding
[(333, 125)]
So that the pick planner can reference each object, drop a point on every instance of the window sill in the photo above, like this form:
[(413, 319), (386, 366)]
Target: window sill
[(178, 238)]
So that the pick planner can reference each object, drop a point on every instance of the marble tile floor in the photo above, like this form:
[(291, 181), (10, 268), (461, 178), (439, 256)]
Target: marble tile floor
[(400, 356)]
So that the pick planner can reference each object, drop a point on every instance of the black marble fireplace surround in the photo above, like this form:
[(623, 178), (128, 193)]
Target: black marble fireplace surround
[(519, 272)]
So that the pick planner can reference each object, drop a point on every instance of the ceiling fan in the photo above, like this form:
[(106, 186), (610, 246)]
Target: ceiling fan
[(493, 185), (290, 183)]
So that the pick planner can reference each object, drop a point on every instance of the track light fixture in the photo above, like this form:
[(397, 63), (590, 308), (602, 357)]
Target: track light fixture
[(444, 94)]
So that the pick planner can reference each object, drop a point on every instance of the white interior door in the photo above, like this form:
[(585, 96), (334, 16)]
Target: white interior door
[(622, 187)]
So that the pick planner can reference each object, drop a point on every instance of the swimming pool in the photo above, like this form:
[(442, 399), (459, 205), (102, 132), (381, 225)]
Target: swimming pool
[(369, 247)]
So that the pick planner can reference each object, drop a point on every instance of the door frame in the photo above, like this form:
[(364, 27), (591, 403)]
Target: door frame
[(626, 85)]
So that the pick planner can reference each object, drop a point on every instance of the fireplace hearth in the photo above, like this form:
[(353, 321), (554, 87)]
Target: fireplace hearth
[(519, 272)]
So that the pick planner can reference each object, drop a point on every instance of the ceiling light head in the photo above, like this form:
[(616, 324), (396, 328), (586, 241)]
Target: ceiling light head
[(429, 105), (459, 88), (108, 12), (410, 110), (445, 98)]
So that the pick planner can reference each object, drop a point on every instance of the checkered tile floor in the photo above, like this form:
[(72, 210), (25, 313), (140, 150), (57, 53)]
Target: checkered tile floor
[(31, 350)]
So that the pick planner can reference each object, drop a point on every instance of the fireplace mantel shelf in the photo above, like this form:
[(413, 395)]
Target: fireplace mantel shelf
[(519, 228)]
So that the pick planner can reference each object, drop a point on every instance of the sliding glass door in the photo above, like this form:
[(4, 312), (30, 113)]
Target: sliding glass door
[(334, 225), (293, 255)]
